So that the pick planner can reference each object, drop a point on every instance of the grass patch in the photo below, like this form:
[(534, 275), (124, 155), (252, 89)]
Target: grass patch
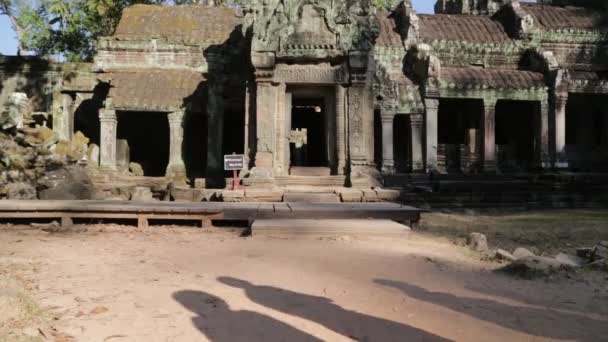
[(547, 231)]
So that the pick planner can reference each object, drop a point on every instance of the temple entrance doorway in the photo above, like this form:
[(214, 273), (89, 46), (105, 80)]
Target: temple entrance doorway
[(143, 137), (516, 127), (308, 145), (459, 135), (587, 132)]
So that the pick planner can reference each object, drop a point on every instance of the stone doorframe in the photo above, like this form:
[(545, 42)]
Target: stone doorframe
[(328, 94)]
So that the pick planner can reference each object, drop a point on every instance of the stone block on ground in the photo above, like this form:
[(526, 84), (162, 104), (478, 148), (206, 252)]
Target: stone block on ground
[(531, 266), (503, 255), (477, 242), (350, 195), (136, 169), (521, 253), (299, 227), (370, 195), (20, 191), (185, 194), (600, 251), (389, 195), (69, 183), (570, 260), (264, 195), (232, 195), (143, 194)]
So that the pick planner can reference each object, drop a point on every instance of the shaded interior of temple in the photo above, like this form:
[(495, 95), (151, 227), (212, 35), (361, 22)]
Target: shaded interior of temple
[(515, 139), (587, 131), (309, 114), (147, 134)]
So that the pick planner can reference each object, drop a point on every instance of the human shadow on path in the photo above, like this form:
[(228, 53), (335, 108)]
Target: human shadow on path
[(356, 325), (219, 323), (534, 321)]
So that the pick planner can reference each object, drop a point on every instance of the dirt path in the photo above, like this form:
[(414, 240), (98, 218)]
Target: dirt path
[(188, 285)]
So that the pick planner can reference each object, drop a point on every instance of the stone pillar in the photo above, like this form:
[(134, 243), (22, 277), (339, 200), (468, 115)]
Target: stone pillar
[(488, 131), (215, 135), (363, 171), (107, 151), (416, 123), (341, 128), (176, 168), (63, 121), (561, 157), (388, 160), (280, 164), (543, 135), (431, 128), (266, 105)]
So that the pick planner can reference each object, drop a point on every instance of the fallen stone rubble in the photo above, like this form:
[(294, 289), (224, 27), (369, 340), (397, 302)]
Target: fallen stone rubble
[(525, 263), (35, 163)]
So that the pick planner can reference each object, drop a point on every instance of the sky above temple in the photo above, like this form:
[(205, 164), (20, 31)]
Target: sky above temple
[(8, 40)]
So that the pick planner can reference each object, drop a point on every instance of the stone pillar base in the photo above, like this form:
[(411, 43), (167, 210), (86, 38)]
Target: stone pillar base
[(365, 176), (177, 173), (388, 169), (259, 177)]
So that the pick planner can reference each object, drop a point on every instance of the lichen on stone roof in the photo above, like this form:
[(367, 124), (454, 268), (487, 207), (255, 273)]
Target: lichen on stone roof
[(153, 89), (568, 17), (469, 28), (480, 78), (192, 24)]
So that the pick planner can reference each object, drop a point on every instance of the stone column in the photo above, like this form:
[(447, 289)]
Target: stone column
[(341, 128), (63, 122), (176, 168), (431, 128), (488, 131), (561, 157), (416, 123), (543, 135), (388, 160), (107, 151), (266, 105)]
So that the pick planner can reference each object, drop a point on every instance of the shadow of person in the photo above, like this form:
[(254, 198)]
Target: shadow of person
[(534, 321), (356, 325), (219, 323)]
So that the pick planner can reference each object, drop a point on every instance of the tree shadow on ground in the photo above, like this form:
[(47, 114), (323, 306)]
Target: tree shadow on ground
[(356, 325), (219, 323), (534, 321)]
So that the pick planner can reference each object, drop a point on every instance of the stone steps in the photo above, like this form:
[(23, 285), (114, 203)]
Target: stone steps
[(335, 181), (312, 227), (306, 197)]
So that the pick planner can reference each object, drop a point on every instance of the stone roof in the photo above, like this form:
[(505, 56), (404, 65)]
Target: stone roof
[(194, 24), (480, 78), (153, 89), (389, 35), (470, 28), (568, 17)]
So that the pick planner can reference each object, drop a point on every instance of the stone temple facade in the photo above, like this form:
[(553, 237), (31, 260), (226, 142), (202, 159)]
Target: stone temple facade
[(322, 92)]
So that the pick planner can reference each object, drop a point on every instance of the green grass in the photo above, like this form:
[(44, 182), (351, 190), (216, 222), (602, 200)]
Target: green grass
[(546, 231)]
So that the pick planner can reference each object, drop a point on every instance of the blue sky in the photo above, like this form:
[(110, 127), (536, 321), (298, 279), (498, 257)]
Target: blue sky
[(8, 40)]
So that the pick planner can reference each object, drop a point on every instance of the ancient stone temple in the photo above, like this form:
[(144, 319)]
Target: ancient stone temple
[(337, 93)]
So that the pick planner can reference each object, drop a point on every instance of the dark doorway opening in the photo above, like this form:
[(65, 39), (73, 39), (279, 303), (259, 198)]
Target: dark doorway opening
[(516, 123), (309, 114), (147, 134), (459, 135), (402, 140), (587, 132)]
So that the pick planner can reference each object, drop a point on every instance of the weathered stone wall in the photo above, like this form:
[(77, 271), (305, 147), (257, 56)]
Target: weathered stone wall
[(35, 77)]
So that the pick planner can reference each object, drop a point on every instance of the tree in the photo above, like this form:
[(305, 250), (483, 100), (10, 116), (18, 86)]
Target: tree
[(69, 28), (10, 8)]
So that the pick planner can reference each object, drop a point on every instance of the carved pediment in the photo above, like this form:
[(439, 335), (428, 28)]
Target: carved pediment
[(311, 31)]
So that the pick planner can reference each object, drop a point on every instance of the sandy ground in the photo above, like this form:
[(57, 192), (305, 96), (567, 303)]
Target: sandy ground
[(186, 284)]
